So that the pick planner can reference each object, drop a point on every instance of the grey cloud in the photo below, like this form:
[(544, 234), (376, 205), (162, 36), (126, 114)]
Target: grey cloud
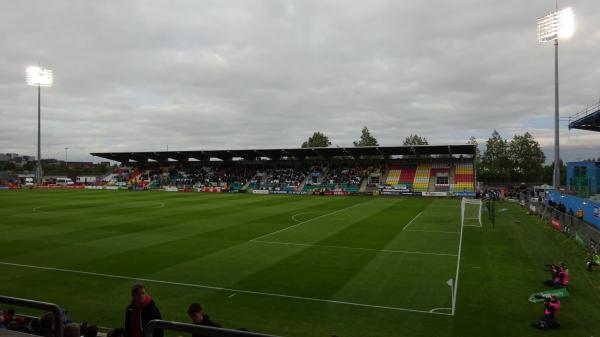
[(240, 74)]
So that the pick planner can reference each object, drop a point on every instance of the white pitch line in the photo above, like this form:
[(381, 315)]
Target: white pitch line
[(295, 215), (303, 222), (313, 299), (413, 219), (457, 270), (428, 231), (436, 309), (352, 248)]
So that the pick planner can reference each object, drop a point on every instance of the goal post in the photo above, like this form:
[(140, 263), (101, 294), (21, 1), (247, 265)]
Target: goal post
[(470, 209)]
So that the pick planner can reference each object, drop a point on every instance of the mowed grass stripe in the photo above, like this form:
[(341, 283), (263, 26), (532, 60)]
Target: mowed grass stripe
[(193, 246), (134, 222), (317, 271), (151, 249), (415, 281)]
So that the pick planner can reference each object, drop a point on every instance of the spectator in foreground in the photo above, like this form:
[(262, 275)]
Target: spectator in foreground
[(91, 331), (140, 311), (9, 316), (46, 325), (117, 332), (198, 317), (72, 330)]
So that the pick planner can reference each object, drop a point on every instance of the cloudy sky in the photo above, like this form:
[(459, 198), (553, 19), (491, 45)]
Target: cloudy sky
[(144, 75)]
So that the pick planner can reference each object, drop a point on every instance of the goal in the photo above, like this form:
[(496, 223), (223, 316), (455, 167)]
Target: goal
[(470, 209)]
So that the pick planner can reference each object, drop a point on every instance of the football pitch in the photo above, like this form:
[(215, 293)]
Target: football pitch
[(290, 265)]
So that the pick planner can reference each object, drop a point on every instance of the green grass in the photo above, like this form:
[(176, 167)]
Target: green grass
[(344, 265)]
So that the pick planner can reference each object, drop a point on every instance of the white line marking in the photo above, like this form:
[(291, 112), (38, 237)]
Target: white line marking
[(457, 271), (295, 215), (160, 205), (222, 289), (472, 225), (427, 231), (303, 222), (436, 309), (352, 248), (413, 219), (230, 296)]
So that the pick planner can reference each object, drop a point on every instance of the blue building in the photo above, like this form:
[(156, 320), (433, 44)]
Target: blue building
[(583, 178)]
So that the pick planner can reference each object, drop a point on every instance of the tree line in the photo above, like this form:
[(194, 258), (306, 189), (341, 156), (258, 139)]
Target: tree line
[(517, 160)]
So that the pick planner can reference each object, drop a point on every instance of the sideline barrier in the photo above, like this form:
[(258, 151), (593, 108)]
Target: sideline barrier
[(260, 191), (434, 194), (212, 189), (60, 186), (580, 231), (289, 192), (198, 330), (58, 324)]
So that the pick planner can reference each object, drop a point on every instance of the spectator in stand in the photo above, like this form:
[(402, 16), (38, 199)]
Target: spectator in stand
[(140, 311), (198, 317), (72, 330), (2, 327)]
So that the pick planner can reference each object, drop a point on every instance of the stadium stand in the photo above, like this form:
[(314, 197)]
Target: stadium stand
[(307, 170), (421, 182), (463, 178)]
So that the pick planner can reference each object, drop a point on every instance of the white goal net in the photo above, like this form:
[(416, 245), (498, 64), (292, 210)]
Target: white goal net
[(470, 209)]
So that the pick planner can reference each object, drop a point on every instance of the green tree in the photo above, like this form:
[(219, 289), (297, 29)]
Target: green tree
[(526, 158), (318, 139), (495, 163), (366, 139), (473, 141), (415, 140)]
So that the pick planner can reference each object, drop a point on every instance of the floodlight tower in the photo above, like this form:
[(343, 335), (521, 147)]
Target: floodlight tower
[(550, 28), (39, 77)]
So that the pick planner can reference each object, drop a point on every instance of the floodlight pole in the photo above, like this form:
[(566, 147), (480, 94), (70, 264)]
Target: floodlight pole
[(556, 175), (39, 172)]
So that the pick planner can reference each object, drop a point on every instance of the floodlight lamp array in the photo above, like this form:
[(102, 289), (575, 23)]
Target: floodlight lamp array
[(556, 25), (37, 76)]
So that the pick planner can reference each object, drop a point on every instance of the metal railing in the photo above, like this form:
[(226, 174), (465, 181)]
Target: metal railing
[(582, 232), (51, 307), (584, 113), (197, 329)]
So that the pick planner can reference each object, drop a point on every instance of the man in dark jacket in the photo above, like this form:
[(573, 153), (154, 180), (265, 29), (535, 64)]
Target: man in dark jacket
[(140, 311), (200, 318)]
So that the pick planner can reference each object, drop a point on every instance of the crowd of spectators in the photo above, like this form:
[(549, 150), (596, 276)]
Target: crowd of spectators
[(281, 179), (201, 176)]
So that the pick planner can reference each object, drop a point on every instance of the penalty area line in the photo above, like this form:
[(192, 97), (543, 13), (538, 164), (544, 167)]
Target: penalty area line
[(303, 222), (191, 285), (351, 248), (411, 221)]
